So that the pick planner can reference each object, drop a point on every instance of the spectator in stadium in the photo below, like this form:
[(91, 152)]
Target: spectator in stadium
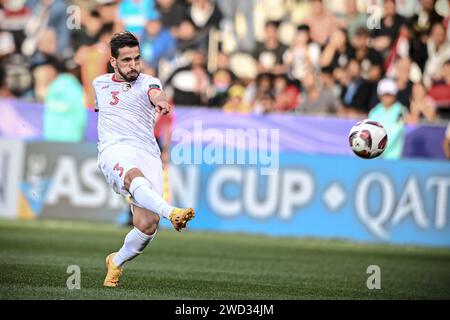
[(14, 17), (317, 99), (47, 48), (230, 9), (90, 26), (157, 43), (17, 78), (235, 102), (173, 13), (223, 62), (48, 15), (269, 53), (222, 80), (93, 19), (7, 45), (94, 61), (205, 15), (353, 18), (399, 49), (262, 85), (65, 116), (365, 55), (338, 51), (303, 54), (392, 114), (375, 76), (402, 79), (420, 25), (287, 94), (133, 14), (322, 23), (190, 82), (422, 106), (356, 92), (385, 36), (264, 103), (440, 92), (329, 82), (186, 36), (438, 53), (424, 19), (106, 11), (43, 76), (446, 142), (407, 8)]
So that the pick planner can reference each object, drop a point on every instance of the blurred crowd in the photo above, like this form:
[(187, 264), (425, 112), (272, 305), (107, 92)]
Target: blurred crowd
[(247, 56)]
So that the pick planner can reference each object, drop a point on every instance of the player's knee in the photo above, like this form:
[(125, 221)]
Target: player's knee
[(149, 225), (130, 175)]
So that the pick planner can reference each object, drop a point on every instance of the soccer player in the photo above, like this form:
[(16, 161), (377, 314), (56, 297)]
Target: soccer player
[(129, 156)]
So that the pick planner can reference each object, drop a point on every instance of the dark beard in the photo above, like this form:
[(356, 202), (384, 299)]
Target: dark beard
[(127, 78)]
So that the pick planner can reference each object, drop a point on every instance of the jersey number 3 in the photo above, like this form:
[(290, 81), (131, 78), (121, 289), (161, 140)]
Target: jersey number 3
[(115, 100)]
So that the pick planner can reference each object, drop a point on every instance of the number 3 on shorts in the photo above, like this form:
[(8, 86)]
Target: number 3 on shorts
[(118, 168)]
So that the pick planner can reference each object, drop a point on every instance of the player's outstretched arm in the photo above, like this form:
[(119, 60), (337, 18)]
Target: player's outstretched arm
[(160, 101)]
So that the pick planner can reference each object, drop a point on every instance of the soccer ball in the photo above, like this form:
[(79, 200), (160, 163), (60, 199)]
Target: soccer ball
[(368, 139)]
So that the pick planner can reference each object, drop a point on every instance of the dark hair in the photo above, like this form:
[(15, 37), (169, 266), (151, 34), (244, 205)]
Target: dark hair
[(304, 27), (273, 23), (121, 40), (362, 31), (106, 28), (327, 70)]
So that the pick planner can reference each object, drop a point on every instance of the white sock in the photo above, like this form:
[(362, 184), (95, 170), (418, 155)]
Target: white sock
[(135, 242), (142, 192)]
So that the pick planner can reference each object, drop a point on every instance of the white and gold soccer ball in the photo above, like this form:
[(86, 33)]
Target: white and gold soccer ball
[(368, 139)]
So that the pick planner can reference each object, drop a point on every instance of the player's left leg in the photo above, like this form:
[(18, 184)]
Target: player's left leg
[(145, 229)]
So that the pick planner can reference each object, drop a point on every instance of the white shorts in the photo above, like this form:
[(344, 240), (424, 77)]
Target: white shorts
[(116, 160)]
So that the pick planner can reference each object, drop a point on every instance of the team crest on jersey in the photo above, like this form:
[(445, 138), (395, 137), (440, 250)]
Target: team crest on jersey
[(126, 87)]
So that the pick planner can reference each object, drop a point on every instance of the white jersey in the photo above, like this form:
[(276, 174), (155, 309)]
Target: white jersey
[(126, 115)]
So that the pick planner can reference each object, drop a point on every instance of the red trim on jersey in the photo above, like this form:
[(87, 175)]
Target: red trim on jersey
[(113, 78)]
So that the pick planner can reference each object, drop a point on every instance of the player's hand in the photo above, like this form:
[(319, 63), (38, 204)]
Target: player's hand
[(162, 107), (160, 101)]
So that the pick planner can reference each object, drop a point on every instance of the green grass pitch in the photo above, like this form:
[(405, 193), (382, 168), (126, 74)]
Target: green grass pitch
[(34, 256)]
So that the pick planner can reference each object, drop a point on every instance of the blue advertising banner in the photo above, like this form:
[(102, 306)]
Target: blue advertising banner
[(404, 202)]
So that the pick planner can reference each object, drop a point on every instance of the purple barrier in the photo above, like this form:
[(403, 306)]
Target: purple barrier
[(20, 119), (91, 127), (318, 135), (308, 134), (296, 133), (424, 142)]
